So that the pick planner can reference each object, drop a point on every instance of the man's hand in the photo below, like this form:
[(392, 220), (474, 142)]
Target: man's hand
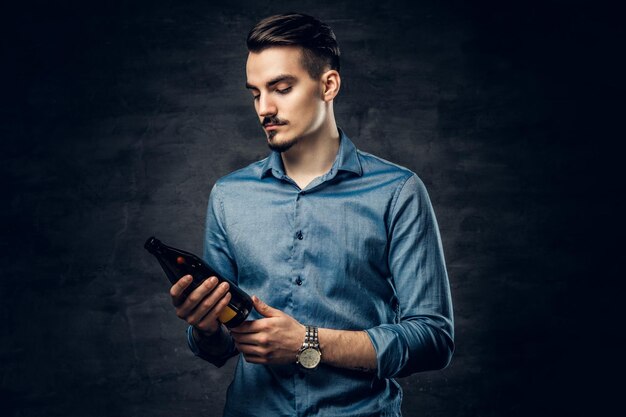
[(203, 305), (274, 339)]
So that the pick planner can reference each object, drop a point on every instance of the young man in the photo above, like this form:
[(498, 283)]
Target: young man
[(342, 247)]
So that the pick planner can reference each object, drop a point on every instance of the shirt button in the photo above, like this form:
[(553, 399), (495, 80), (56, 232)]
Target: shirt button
[(299, 235), (299, 281)]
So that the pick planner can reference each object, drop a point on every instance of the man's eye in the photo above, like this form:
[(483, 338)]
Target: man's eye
[(284, 91), (256, 97)]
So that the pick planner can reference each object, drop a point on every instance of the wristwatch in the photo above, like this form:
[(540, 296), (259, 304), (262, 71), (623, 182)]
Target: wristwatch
[(309, 355)]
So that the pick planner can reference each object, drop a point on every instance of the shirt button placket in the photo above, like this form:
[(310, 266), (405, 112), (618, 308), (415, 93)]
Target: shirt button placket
[(300, 388)]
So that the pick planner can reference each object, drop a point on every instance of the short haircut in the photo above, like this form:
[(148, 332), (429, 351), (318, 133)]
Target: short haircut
[(320, 50)]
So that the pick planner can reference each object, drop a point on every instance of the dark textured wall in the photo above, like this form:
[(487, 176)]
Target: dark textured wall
[(117, 118)]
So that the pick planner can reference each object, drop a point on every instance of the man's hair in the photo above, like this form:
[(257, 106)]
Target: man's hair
[(317, 40)]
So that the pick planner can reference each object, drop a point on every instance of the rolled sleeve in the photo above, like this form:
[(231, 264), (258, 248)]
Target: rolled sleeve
[(423, 337), (217, 360)]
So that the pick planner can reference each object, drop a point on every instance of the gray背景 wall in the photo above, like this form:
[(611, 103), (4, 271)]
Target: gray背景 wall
[(118, 117)]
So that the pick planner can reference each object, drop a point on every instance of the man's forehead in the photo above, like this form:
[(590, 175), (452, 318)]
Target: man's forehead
[(264, 66)]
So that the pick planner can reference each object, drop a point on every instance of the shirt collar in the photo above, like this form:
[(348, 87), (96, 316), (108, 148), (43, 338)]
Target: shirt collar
[(347, 159)]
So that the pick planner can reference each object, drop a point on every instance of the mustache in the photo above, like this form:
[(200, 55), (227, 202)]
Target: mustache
[(273, 120)]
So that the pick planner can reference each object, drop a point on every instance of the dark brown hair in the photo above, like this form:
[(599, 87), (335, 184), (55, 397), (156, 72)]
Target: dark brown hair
[(317, 40)]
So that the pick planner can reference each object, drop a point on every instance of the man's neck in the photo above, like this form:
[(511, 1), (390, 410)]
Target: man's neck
[(312, 156)]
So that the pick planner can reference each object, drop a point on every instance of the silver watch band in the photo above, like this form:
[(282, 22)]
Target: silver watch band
[(311, 338)]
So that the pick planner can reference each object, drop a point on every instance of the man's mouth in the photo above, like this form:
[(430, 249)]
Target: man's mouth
[(273, 126)]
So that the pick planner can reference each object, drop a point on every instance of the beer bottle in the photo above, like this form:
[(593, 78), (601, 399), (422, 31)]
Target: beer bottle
[(177, 263)]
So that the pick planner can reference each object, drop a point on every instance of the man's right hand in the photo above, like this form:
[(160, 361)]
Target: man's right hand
[(203, 305)]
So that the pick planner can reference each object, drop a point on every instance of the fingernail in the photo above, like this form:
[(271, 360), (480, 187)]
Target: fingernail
[(213, 280)]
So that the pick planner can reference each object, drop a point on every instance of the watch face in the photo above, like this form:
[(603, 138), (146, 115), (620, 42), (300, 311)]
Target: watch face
[(309, 358)]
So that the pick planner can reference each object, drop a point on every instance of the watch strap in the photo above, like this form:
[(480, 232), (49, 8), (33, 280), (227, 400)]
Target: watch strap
[(311, 338), (311, 343)]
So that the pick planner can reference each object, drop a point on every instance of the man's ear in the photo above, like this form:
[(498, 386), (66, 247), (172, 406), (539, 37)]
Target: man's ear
[(331, 83)]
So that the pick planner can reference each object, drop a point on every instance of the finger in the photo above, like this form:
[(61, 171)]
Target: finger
[(264, 309), (178, 288), (250, 326), (206, 304), (251, 350), (195, 297), (247, 338), (243, 327), (209, 322)]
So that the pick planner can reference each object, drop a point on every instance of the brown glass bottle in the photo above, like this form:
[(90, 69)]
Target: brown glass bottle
[(177, 263)]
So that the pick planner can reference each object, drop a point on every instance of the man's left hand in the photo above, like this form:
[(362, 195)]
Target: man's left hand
[(274, 339)]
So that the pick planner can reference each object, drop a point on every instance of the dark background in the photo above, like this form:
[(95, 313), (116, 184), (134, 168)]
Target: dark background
[(117, 118)]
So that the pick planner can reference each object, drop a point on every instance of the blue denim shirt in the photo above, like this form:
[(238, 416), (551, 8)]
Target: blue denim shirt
[(357, 249)]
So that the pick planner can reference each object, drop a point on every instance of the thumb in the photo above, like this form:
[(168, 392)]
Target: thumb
[(264, 309)]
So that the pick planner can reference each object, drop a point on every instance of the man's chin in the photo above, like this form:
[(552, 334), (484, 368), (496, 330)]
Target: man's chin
[(278, 146)]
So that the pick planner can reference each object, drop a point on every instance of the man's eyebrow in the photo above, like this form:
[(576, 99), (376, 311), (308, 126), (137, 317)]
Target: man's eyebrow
[(275, 80)]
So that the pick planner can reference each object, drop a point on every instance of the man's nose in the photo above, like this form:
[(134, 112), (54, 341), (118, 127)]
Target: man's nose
[(266, 106)]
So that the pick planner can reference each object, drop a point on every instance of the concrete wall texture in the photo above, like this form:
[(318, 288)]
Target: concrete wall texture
[(118, 117)]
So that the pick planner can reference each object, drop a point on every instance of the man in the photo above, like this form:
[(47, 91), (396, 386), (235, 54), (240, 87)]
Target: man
[(341, 246)]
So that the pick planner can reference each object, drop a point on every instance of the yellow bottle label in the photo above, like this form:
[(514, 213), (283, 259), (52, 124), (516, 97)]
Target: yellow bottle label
[(227, 315)]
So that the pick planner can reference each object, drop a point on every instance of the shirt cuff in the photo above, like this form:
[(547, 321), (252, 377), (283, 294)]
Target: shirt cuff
[(391, 356), (412, 346), (217, 360)]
